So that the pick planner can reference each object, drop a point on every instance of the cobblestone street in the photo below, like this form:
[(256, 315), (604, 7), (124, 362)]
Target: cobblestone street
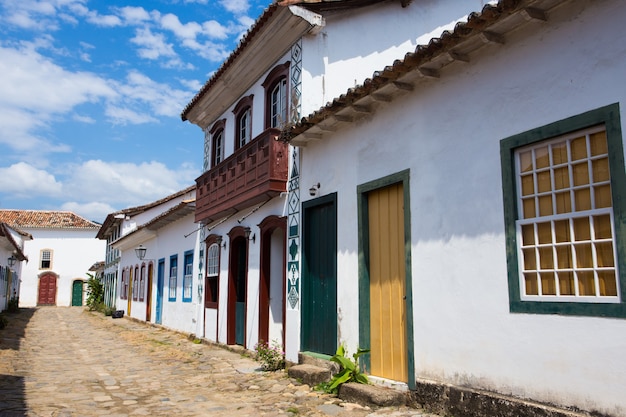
[(59, 361)]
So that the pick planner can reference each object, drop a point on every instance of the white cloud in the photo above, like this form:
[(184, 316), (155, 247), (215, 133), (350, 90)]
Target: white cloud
[(103, 20), (94, 211), (152, 45), (235, 6), (184, 31), (124, 115), (134, 15), (23, 180)]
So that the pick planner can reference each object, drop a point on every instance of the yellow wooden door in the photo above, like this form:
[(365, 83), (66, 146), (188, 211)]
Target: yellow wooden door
[(388, 340), (130, 291)]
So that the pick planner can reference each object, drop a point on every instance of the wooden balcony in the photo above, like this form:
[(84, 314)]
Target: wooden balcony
[(254, 173)]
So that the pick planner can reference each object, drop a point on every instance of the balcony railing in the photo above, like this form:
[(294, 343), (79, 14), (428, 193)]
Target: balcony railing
[(254, 173)]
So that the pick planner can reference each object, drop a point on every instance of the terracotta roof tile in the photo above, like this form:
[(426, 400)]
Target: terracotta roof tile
[(46, 219)]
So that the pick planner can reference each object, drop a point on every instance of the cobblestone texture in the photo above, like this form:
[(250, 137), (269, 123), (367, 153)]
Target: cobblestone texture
[(68, 362)]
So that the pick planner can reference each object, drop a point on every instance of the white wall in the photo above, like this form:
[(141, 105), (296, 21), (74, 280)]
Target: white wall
[(448, 134), (74, 252)]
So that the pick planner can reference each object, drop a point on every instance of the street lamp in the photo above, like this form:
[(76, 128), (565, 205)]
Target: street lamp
[(140, 251), (12, 260)]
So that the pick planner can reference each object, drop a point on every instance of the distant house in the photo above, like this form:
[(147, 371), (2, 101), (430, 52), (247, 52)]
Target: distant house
[(151, 269), (60, 254), (474, 192), (11, 257)]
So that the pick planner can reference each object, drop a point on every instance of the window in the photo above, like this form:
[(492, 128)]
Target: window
[(276, 105), (188, 277), (142, 281), (212, 275), (561, 211), (206, 163), (45, 259), (124, 285), (243, 117), (173, 275), (136, 283), (216, 154)]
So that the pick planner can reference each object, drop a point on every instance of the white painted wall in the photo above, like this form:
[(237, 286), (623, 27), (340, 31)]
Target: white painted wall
[(448, 134), (74, 252)]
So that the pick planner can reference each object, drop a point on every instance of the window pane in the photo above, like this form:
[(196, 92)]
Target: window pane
[(561, 178), (602, 227), (564, 256), (529, 208), (531, 286), (600, 169), (602, 196), (545, 205), (581, 229), (543, 182), (566, 283), (598, 143), (542, 159), (561, 231), (582, 199), (586, 284), (580, 174), (528, 234), (530, 261), (546, 258), (583, 256), (527, 185), (579, 148), (559, 153), (604, 254), (548, 285), (608, 285), (526, 161), (544, 232), (563, 202)]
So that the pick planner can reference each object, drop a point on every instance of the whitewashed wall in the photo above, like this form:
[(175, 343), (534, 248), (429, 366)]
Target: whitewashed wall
[(447, 133), (74, 252)]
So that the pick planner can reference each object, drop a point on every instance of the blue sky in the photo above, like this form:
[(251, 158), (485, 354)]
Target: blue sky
[(91, 94)]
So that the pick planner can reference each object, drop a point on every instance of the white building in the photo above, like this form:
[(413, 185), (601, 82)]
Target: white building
[(60, 254), (11, 257), (473, 192), (158, 283)]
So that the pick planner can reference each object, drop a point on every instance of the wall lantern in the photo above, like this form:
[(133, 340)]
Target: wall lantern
[(219, 242), (313, 190), (12, 260), (140, 251), (247, 231)]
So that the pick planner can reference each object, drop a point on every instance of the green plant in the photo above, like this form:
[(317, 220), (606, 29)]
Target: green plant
[(350, 370), (272, 358), (3, 321), (95, 293), (13, 306)]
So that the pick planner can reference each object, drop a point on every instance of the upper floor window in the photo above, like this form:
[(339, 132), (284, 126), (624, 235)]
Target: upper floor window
[(214, 152), (243, 117), (276, 102), (562, 216), (188, 277), (45, 259)]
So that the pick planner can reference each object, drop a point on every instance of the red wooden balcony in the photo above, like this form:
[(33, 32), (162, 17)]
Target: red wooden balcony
[(254, 173)]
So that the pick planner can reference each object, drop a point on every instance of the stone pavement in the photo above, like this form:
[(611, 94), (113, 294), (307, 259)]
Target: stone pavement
[(62, 361)]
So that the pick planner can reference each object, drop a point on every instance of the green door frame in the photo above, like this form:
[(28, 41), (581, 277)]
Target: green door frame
[(364, 278)]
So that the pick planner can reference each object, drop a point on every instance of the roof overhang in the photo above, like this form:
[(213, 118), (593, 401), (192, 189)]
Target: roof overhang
[(266, 42), (425, 65)]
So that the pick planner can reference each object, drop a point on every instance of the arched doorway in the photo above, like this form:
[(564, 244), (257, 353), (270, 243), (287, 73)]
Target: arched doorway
[(77, 292), (237, 283), (47, 294), (272, 279), (149, 293)]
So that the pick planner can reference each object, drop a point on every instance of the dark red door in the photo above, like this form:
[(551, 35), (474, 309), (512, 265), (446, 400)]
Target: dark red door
[(47, 290)]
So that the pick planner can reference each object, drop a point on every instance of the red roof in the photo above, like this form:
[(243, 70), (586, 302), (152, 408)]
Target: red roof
[(42, 219)]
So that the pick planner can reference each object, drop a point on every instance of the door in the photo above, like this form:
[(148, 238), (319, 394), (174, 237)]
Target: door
[(129, 295), (272, 282), (77, 293), (149, 294), (47, 290), (319, 276), (387, 272), (237, 291), (159, 294)]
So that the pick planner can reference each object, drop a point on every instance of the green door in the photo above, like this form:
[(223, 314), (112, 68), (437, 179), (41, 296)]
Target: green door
[(77, 293), (319, 276)]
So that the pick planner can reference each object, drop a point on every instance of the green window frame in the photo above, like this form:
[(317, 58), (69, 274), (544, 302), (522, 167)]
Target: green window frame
[(609, 118)]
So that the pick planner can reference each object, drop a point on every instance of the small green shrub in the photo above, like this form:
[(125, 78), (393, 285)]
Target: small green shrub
[(272, 358), (350, 370)]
